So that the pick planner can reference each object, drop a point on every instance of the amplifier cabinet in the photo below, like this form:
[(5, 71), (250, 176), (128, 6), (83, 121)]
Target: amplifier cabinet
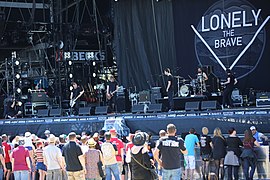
[(262, 102)]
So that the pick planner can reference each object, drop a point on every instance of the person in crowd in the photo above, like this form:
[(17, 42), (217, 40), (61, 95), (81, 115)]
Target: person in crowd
[(20, 160), (262, 140), (98, 142), (219, 152), (129, 145), (206, 151), (101, 135), (120, 150), (73, 156), (170, 149), (227, 93), (7, 151), (109, 155), (47, 133), (260, 137), (62, 141), (234, 145), (28, 144), (169, 87), (84, 145), (92, 157), (190, 141), (53, 160), (162, 134), (40, 166), (140, 160), (2, 161), (248, 155)]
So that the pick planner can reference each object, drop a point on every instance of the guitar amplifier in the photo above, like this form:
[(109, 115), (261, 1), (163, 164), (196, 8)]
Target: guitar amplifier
[(263, 95), (144, 96)]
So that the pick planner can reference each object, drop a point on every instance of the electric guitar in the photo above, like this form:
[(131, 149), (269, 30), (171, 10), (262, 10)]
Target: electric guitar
[(110, 95), (72, 102)]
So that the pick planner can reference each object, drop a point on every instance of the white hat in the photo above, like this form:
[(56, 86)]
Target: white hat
[(47, 132), (252, 128), (27, 134)]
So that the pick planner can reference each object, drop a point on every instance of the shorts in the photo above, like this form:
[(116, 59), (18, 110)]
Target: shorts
[(190, 162), (8, 166), (30, 148), (41, 166)]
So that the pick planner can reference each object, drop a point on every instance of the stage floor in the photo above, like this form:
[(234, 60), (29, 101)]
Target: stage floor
[(240, 118)]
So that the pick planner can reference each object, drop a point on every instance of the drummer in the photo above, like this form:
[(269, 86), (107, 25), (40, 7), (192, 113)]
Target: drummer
[(201, 76)]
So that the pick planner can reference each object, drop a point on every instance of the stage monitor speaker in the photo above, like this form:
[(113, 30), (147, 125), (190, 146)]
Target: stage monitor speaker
[(138, 108), (210, 105), (192, 106), (144, 96), (56, 112), (101, 110), (154, 108), (84, 111), (43, 113)]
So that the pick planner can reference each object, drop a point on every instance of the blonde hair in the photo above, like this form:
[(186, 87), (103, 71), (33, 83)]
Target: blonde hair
[(205, 130), (217, 132)]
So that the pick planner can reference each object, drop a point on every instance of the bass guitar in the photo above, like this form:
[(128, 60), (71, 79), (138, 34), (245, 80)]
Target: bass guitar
[(110, 95)]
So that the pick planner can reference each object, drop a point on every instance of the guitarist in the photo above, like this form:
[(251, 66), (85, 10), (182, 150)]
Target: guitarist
[(112, 88), (227, 93), (75, 95)]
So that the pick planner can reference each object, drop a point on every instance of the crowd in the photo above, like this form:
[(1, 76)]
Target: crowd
[(103, 155)]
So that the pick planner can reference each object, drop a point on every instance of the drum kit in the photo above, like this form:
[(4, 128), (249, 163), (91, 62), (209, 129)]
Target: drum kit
[(190, 87)]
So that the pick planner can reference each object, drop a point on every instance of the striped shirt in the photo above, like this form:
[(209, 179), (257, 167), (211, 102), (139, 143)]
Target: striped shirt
[(39, 155)]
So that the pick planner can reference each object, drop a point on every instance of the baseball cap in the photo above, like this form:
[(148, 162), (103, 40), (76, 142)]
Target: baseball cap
[(113, 131), (47, 132), (27, 134), (252, 128)]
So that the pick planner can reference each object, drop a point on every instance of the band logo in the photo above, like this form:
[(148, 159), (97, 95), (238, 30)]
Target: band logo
[(85, 55), (231, 34)]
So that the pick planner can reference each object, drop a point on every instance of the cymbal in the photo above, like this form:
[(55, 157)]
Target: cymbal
[(184, 80), (178, 77)]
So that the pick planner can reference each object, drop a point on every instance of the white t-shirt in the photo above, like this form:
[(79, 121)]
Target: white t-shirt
[(53, 156), (108, 153)]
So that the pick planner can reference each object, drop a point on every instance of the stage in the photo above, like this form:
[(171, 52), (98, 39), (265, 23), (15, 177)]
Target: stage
[(240, 118)]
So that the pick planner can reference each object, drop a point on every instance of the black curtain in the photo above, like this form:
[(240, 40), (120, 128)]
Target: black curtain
[(144, 41)]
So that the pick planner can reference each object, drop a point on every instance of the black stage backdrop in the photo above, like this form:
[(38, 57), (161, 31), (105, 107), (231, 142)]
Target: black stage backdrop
[(141, 37)]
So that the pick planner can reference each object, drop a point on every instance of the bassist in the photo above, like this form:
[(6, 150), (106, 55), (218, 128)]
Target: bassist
[(75, 95), (112, 88)]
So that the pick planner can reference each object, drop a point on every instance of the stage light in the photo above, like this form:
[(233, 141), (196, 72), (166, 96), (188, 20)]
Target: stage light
[(17, 62), (70, 88), (70, 75), (70, 63), (95, 87), (94, 74), (94, 63), (18, 76), (19, 90)]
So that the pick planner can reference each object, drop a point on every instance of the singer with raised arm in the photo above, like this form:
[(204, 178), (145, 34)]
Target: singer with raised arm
[(227, 93), (112, 88), (169, 87), (75, 95)]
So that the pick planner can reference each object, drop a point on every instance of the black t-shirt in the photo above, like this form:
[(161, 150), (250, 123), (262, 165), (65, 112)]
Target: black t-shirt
[(234, 144), (10, 111), (138, 172), (170, 78), (170, 151), (112, 86), (71, 152), (205, 144), (219, 147), (231, 83), (76, 92)]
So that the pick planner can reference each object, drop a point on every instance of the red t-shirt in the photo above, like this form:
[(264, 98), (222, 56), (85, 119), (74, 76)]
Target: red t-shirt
[(7, 148), (20, 154), (120, 145)]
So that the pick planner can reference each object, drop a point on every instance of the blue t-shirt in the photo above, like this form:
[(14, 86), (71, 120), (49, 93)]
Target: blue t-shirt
[(190, 141)]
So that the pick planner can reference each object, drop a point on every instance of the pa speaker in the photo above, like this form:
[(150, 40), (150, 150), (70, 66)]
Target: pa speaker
[(155, 108), (84, 111), (56, 112), (138, 108), (192, 106), (210, 105), (101, 110), (43, 113)]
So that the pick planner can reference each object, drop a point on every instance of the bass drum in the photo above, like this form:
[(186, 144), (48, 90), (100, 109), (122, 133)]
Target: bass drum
[(184, 91)]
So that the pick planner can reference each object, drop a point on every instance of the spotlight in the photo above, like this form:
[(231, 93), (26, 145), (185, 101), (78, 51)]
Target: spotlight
[(94, 74), (94, 63), (19, 90), (70, 63), (95, 87), (70, 75), (18, 76), (17, 63)]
